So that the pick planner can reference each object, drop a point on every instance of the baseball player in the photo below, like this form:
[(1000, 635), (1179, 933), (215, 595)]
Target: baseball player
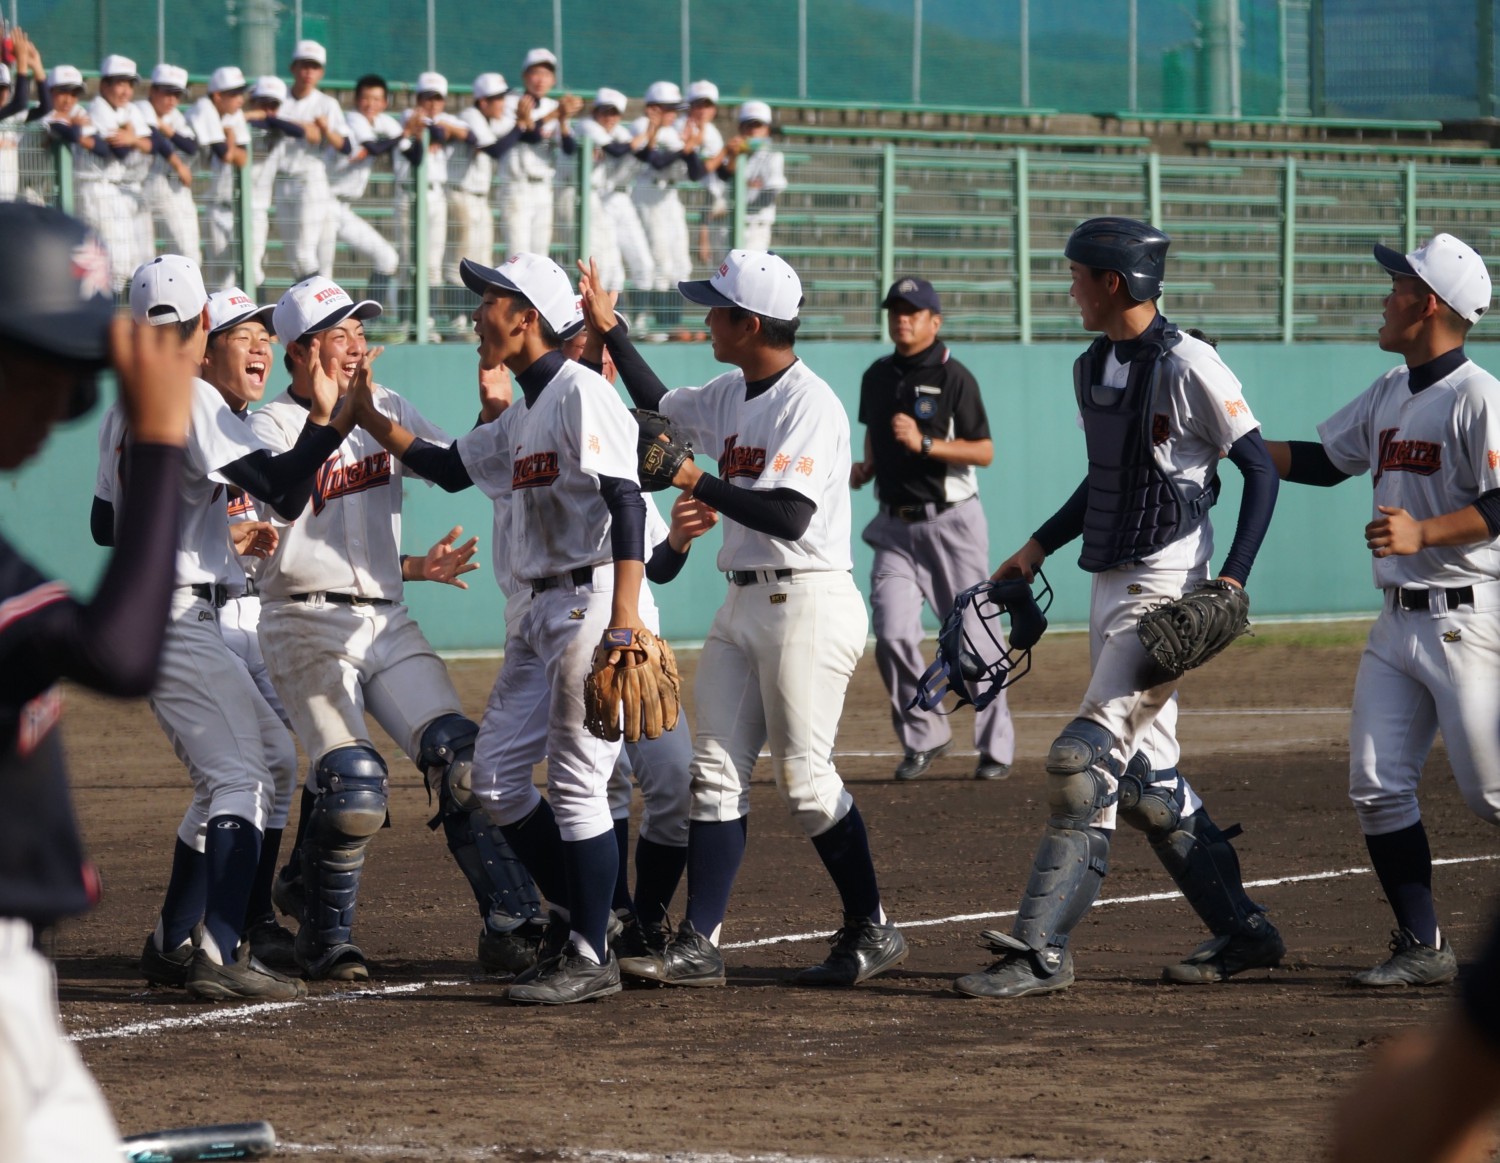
[(1159, 409), (1426, 432), (527, 171), (218, 122), (444, 132), (669, 156), (471, 176), (108, 177), (67, 122), (168, 186), (305, 214), (765, 171), (16, 110), (779, 655), (56, 331), (266, 99), (373, 133), (925, 433), (702, 108), (618, 242)]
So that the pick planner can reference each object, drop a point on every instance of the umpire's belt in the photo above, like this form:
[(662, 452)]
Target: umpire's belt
[(581, 576), (750, 577), (215, 593), (911, 514), (1404, 599), (341, 599)]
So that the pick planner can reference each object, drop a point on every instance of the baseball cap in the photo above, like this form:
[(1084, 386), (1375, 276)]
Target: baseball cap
[(1453, 270), (610, 99), (315, 305), (226, 79), (432, 83), (269, 88), (310, 50), (540, 56), (231, 307), (170, 77), (543, 283), (756, 280), (913, 292), (115, 65), (755, 111), (64, 77), (167, 289), (489, 85), (703, 91), (663, 93)]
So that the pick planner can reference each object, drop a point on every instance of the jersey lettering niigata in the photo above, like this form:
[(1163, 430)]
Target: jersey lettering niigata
[(1430, 453), (348, 539), (348, 178), (794, 436), (106, 120), (298, 157)]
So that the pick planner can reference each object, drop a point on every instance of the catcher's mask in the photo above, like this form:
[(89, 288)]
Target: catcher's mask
[(973, 660)]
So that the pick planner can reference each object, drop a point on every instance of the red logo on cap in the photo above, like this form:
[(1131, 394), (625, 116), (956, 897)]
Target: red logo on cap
[(724, 270), (239, 300), (91, 268), (327, 293)]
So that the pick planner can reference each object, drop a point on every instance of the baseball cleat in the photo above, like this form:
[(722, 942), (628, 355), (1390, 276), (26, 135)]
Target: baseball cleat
[(1410, 963), (567, 978), (1221, 958), (988, 768), (688, 959), (1019, 971), (509, 951), (861, 949), (636, 940), (554, 940), (916, 762), (170, 969), (273, 945), (243, 979)]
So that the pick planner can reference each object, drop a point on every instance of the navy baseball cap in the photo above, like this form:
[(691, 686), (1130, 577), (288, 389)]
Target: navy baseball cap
[(916, 293)]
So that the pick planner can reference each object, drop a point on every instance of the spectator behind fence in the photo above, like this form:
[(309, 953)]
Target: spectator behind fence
[(169, 180), (218, 122), (526, 172), (471, 177), (373, 133), (765, 172), (306, 218), (109, 176), (16, 110)]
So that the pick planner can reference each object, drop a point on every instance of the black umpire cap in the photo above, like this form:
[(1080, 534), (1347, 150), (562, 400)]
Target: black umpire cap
[(915, 293)]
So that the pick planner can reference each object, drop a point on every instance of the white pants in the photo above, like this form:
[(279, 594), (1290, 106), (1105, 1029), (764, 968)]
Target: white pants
[(603, 246), (239, 622), (175, 215), (526, 216), (305, 220), (665, 223), (775, 668), (472, 233), (758, 233), (221, 269), (119, 215), (437, 230), (630, 238), (50, 1106), (363, 239)]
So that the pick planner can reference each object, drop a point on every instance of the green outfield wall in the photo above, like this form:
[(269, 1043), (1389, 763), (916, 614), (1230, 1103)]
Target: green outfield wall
[(1313, 562)]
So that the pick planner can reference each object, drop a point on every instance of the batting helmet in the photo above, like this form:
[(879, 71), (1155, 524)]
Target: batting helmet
[(974, 660), (56, 295), (1136, 251)]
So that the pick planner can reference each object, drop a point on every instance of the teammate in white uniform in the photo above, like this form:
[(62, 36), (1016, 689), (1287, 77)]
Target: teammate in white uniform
[(16, 110), (169, 182), (668, 157), (618, 242), (1159, 409), (765, 172), (1427, 433), (373, 133), (527, 171), (778, 658), (108, 177), (279, 136), (444, 132), (305, 212), (698, 117), (471, 177), (219, 124)]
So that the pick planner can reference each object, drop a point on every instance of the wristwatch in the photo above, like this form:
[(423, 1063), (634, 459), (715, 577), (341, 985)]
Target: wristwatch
[(927, 446)]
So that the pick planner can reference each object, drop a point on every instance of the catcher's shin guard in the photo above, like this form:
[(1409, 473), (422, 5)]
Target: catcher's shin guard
[(1202, 863), (350, 808), (502, 887)]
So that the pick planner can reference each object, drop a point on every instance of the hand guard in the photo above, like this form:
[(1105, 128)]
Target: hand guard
[(659, 453), (1189, 630), (633, 687)]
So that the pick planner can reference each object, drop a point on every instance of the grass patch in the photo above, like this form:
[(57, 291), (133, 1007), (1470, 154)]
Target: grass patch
[(1306, 635)]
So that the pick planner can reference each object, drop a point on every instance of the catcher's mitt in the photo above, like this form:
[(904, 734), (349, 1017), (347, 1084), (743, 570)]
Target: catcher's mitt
[(1189, 630), (659, 453), (632, 688)]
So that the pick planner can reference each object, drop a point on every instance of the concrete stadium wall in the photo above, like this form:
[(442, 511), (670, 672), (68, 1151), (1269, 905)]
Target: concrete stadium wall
[(1314, 560)]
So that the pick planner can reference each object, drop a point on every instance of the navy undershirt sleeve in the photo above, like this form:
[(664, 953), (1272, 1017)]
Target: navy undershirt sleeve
[(780, 513), (1311, 466), (696, 168), (102, 522), (569, 144), (381, 146), (185, 144), (665, 564), (442, 465), (412, 151), (289, 128), (627, 518), (161, 144), (220, 149), (44, 102), (19, 99), (616, 148), (1066, 523), (1250, 455), (643, 384), (1488, 505), (285, 480)]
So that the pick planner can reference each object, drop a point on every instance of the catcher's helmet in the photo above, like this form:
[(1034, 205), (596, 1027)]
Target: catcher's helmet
[(1136, 251), (56, 295), (974, 661)]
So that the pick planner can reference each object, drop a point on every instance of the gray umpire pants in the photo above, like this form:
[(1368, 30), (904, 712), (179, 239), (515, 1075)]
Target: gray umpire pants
[(929, 561)]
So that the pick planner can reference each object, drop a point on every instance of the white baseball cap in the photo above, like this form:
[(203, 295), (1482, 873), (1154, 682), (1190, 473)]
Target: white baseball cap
[(269, 88), (489, 85), (168, 289), (115, 65), (231, 307), (663, 93), (756, 280), (432, 83), (310, 50), (610, 99), (315, 305), (543, 283), (64, 77), (1453, 270), (703, 91), (540, 56), (170, 77), (4, 74), (226, 79), (755, 111)]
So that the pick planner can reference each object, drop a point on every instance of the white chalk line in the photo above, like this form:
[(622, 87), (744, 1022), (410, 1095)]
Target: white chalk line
[(243, 1014), (403, 1151)]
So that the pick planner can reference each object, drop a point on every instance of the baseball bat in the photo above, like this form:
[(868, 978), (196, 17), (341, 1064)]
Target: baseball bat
[(188, 1144)]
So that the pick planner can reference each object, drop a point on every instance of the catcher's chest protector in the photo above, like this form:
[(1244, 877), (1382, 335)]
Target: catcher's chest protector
[(1134, 507)]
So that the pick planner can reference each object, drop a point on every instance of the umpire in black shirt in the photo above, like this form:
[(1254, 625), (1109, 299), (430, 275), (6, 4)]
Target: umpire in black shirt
[(925, 433)]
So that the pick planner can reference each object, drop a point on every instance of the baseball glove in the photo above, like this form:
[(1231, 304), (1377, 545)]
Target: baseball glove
[(632, 688), (659, 453), (1189, 630)]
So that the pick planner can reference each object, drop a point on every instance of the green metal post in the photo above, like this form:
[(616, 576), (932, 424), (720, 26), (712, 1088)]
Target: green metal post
[(887, 227), (64, 155), (741, 192), (1288, 249), (1023, 246), (1409, 209), (244, 225), (1153, 188), (421, 292), (585, 199)]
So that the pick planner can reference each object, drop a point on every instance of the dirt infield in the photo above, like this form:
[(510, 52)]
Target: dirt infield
[(431, 1063)]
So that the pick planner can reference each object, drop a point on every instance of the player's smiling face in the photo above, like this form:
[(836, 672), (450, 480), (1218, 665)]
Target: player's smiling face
[(238, 361), (117, 90), (1406, 310), (539, 80), (371, 102), (64, 101), (498, 322), (341, 350)]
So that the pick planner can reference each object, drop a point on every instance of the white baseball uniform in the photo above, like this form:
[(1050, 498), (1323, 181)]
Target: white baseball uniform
[(167, 198), (348, 180), (526, 173), (12, 130), (661, 211), (765, 178), (438, 155), (305, 211), (471, 175), (619, 240), (110, 197), (211, 129)]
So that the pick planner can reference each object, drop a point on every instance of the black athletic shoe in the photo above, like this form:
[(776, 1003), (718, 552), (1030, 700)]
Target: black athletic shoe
[(1019, 971), (916, 762), (568, 978), (1223, 957), (243, 979), (273, 945), (170, 969), (636, 940), (1410, 963), (861, 949), (554, 939), (512, 950), (988, 768), (688, 959)]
